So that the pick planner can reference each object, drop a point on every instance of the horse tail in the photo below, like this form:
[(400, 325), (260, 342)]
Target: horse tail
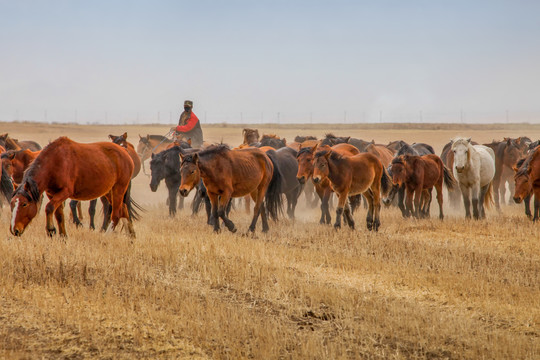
[(6, 185), (449, 180), (134, 209), (488, 198), (386, 182), (273, 200)]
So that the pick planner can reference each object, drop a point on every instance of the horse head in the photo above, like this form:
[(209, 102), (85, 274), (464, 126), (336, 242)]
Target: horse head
[(321, 165), (398, 170), (523, 187), (24, 206), (305, 163), (462, 153), (189, 172)]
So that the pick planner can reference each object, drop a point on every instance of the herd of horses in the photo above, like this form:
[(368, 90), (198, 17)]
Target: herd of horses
[(266, 170)]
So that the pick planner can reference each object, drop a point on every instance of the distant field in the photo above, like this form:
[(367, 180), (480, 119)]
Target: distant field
[(417, 289)]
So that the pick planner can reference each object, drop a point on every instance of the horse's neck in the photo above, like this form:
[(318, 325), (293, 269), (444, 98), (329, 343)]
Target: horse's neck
[(337, 169), (11, 144)]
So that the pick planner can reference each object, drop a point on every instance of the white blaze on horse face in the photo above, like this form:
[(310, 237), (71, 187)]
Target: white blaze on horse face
[(14, 215)]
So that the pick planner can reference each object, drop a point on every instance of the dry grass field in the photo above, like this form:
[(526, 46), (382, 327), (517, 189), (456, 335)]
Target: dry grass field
[(431, 289)]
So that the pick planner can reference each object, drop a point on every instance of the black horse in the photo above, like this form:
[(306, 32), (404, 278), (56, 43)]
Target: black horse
[(166, 166), (403, 148), (290, 187)]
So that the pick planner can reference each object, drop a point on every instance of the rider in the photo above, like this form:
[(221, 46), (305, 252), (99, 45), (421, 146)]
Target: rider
[(189, 126)]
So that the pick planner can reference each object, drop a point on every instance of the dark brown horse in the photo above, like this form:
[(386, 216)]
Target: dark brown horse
[(507, 153), (228, 174), (251, 136), (67, 169), (151, 144), (323, 189), (13, 144), (419, 174), (351, 175), (522, 186), (272, 140)]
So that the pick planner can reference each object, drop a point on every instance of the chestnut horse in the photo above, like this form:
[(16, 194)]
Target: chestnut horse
[(234, 173), (151, 144), (16, 162), (67, 169), (323, 188), (419, 174), (533, 170), (351, 175)]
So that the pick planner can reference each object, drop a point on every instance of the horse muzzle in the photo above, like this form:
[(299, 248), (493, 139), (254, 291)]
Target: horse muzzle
[(301, 179), (153, 187), (517, 199), (184, 192), (316, 179), (16, 232), (460, 169)]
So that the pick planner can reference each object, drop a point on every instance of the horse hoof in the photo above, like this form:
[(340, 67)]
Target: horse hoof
[(51, 232), (233, 230), (337, 226)]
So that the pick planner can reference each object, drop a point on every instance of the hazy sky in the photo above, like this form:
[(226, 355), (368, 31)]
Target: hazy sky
[(256, 57)]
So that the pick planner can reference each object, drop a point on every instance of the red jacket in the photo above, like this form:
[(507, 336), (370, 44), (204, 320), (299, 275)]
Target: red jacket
[(193, 120)]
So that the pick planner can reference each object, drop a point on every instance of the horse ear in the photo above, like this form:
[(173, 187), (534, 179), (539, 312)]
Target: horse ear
[(313, 149), (195, 158), (372, 141), (284, 141), (469, 140), (244, 132), (508, 141), (153, 155), (124, 135), (112, 137), (147, 137), (189, 141), (348, 138), (140, 137), (327, 155)]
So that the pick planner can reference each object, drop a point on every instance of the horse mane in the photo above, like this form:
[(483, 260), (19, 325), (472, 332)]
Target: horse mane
[(330, 136), (334, 156), (270, 136), (405, 149), (460, 140), (304, 150), (215, 150), (301, 139)]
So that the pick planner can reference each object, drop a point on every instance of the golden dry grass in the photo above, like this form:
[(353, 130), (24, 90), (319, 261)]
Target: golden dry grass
[(417, 289)]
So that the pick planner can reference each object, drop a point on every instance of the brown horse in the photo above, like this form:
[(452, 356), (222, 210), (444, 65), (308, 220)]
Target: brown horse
[(67, 169), (13, 144), (381, 152), (533, 170), (507, 153), (272, 140), (419, 174), (251, 136), (151, 144), (122, 141), (228, 174), (522, 187), (16, 162), (323, 188), (351, 175)]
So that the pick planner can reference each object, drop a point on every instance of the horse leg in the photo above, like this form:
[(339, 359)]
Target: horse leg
[(527, 202), (465, 192), (224, 203), (247, 206), (73, 207), (214, 216), (55, 201), (92, 213), (536, 205), (417, 197), (477, 202), (438, 188), (496, 185), (426, 207), (401, 201), (409, 210), (180, 200), (59, 215), (173, 190), (342, 200), (347, 214), (257, 210), (370, 224), (107, 210), (483, 191)]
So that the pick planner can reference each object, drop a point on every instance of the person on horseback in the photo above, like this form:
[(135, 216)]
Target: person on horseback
[(189, 126)]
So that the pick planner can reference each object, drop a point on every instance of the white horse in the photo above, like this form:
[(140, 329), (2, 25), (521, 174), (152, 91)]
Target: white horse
[(474, 169)]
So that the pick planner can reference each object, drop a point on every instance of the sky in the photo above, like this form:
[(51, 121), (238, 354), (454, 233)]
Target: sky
[(137, 61)]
